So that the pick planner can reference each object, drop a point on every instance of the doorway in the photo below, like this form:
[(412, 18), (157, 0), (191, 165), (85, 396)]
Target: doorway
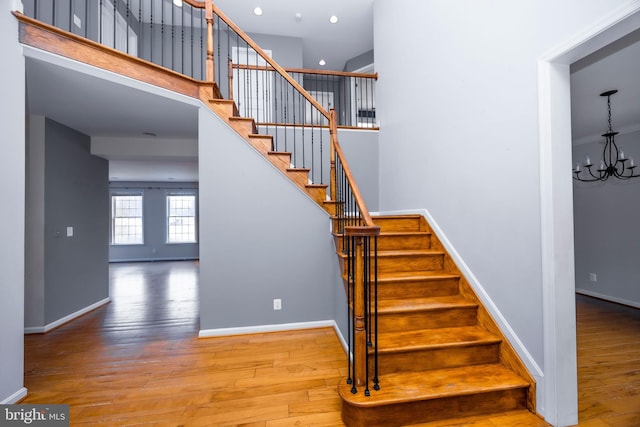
[(556, 184)]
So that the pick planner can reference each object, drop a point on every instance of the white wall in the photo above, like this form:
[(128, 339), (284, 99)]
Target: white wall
[(458, 100), (607, 231), (12, 173)]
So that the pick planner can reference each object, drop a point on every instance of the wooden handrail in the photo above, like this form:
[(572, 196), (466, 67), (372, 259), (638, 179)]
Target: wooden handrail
[(308, 71), (364, 212), (271, 62)]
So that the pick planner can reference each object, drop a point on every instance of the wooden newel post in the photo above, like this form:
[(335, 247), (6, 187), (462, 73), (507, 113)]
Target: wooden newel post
[(360, 350), (360, 338), (210, 64), (333, 133)]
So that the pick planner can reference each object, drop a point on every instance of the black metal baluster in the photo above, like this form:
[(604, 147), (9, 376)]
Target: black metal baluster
[(115, 25), (367, 308), (376, 381), (128, 27), (345, 243), (151, 35), (353, 278)]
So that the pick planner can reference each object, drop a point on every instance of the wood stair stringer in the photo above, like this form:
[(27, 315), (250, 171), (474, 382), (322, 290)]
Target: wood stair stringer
[(247, 129)]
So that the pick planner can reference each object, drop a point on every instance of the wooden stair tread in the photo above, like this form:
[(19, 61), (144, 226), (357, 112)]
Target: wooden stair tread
[(435, 338), (435, 384), (258, 136), (398, 253), (404, 233), (415, 276), (424, 304)]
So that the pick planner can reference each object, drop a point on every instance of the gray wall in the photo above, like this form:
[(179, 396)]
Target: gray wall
[(76, 195), (607, 230), (155, 245), (35, 220), (359, 146), (287, 51), (359, 61), (361, 150), (12, 221), (262, 238), (66, 187)]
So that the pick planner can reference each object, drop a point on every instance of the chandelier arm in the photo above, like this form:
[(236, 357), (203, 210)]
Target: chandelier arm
[(595, 178), (600, 176)]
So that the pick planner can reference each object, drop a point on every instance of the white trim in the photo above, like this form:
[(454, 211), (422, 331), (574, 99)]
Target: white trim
[(15, 397), (488, 303), (258, 329), (609, 298), (559, 402), (345, 346), (65, 319)]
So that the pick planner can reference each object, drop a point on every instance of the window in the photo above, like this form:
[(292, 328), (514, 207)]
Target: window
[(126, 219), (181, 218)]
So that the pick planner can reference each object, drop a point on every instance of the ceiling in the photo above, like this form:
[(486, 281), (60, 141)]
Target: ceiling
[(616, 66), (336, 43), (100, 106)]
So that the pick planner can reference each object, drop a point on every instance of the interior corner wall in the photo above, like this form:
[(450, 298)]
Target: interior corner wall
[(606, 231), (261, 238), (459, 133), (12, 218), (76, 269), (360, 61), (35, 219)]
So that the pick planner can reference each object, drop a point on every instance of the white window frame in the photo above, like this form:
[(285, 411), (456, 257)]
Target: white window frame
[(114, 235), (168, 217)]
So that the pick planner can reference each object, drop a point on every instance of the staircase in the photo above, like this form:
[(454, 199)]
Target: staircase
[(440, 354)]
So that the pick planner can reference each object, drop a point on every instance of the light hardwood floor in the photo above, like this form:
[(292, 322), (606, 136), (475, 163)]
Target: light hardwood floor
[(608, 338), (138, 361)]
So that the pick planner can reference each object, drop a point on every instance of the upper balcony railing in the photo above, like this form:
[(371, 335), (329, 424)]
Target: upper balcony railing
[(173, 34), (197, 40)]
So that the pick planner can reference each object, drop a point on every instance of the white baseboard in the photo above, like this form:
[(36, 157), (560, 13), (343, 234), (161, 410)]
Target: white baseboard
[(488, 303), (15, 397), (634, 304), (244, 330), (65, 319)]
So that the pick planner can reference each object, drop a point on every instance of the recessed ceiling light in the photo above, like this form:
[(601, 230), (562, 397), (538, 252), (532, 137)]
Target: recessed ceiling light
[(258, 11), (333, 19), (322, 62), (177, 3), (298, 16)]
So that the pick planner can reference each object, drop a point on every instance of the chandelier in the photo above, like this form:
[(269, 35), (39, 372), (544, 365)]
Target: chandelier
[(614, 162)]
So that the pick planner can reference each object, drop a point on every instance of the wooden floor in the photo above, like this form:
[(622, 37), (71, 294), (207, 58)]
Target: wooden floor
[(138, 361), (608, 337)]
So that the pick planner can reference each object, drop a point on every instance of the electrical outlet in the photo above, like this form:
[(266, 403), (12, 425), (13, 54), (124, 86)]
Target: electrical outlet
[(277, 304), (593, 277)]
